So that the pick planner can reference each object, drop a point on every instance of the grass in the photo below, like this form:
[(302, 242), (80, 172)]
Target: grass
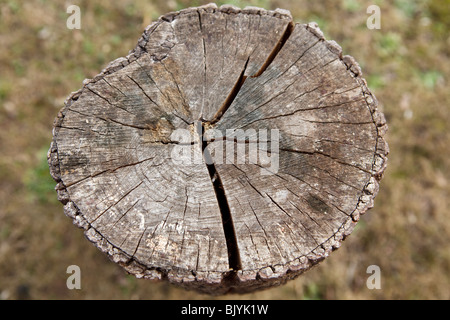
[(39, 185), (405, 63)]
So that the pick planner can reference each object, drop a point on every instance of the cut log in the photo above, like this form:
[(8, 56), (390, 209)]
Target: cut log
[(230, 151)]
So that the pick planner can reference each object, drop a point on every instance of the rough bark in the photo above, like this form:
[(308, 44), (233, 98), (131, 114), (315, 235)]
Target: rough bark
[(220, 227)]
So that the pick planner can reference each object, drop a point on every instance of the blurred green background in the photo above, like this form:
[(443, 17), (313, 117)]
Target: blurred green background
[(406, 64)]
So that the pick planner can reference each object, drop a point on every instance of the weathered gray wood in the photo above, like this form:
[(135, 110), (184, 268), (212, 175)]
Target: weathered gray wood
[(220, 227)]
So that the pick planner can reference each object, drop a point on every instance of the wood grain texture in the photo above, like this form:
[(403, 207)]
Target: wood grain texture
[(220, 227)]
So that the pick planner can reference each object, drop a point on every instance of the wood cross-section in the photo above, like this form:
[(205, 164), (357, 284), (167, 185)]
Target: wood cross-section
[(256, 80)]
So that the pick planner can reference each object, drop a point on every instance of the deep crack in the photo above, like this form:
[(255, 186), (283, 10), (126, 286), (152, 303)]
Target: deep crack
[(287, 33), (229, 100), (234, 259)]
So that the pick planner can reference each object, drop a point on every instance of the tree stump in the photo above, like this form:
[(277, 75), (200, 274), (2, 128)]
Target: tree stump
[(214, 220)]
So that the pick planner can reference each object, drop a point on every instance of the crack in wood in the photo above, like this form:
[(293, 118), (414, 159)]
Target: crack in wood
[(229, 100), (273, 98), (234, 259), (107, 101), (145, 93), (115, 203), (316, 152), (114, 87), (227, 221), (204, 60), (287, 33)]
